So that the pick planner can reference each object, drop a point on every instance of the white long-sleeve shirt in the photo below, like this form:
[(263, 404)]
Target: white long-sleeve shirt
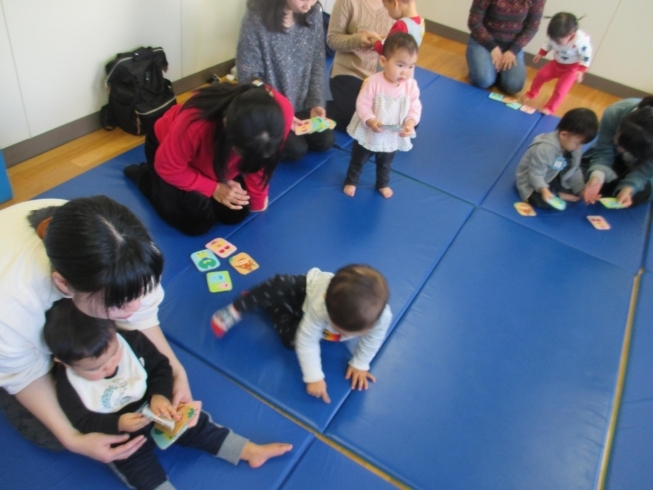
[(578, 50), (27, 292), (316, 325)]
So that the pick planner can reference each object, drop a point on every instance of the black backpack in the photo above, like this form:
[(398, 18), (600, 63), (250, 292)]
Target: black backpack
[(138, 93)]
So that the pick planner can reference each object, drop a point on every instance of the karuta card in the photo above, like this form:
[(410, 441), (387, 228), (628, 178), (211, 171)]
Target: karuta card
[(557, 203), (508, 100), (525, 209), (611, 203), (496, 96), (304, 127), (164, 437), (391, 127), (221, 247), (205, 260), (243, 263), (599, 222), (527, 109), (219, 281), (147, 412), (515, 105)]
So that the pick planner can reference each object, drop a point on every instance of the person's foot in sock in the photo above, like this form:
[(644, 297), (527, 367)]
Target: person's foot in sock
[(223, 319)]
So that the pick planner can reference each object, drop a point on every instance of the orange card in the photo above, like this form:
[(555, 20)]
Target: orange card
[(243, 263), (525, 209)]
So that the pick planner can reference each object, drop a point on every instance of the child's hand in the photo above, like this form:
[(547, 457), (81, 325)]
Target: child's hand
[(546, 193), (407, 128), (537, 58), (579, 76), (162, 407), (318, 389), (374, 125), (368, 38), (132, 422), (359, 378), (625, 197)]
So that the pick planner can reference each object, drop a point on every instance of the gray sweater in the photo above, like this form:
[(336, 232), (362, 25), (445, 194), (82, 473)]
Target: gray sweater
[(542, 163), (292, 61)]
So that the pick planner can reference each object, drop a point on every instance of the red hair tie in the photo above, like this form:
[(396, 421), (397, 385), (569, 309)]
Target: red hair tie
[(43, 227)]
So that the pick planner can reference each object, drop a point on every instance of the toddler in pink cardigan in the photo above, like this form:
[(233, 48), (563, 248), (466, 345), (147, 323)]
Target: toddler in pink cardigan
[(387, 111)]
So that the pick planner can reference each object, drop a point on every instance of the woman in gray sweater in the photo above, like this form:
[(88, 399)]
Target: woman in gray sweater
[(282, 44)]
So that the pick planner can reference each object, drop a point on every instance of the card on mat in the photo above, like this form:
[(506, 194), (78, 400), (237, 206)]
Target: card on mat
[(219, 281), (205, 260), (243, 263), (599, 222), (508, 100), (527, 109), (611, 203), (525, 209), (496, 96), (557, 203), (221, 247), (515, 105)]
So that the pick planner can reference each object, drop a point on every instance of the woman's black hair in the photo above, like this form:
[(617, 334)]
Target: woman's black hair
[(72, 335), (580, 122), (561, 25), (255, 126), (100, 246), (272, 12), (636, 133)]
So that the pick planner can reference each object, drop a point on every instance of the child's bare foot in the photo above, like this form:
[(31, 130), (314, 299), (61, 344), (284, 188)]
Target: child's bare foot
[(568, 197), (386, 192), (546, 112), (350, 190), (525, 99), (256, 455)]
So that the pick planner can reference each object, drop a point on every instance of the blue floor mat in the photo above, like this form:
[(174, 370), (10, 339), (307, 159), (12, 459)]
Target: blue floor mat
[(623, 245), (108, 179), (630, 465), (294, 236), (324, 468), (502, 372), (464, 140)]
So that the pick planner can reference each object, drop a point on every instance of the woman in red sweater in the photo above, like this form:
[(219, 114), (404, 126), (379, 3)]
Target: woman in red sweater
[(210, 160)]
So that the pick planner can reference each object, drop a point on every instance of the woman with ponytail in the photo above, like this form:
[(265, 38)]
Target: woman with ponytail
[(210, 160)]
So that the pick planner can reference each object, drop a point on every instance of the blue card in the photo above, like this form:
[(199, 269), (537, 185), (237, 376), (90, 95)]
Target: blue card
[(557, 203)]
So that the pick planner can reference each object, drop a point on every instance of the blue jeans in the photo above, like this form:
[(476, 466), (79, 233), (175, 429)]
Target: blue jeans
[(483, 74)]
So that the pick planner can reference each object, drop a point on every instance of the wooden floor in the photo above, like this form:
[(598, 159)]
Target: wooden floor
[(50, 169)]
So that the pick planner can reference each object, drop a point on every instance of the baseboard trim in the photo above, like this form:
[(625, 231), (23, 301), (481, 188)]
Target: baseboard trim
[(49, 140), (594, 81)]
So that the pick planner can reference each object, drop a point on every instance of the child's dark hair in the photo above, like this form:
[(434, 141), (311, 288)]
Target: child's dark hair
[(397, 41), (272, 13), (646, 102), (580, 122), (72, 335), (562, 25), (100, 246), (636, 133), (255, 126), (356, 297)]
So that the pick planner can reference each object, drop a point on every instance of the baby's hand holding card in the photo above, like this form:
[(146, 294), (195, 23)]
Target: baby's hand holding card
[(164, 437)]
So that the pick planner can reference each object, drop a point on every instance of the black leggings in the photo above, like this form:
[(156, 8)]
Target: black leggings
[(359, 157), (282, 296), (190, 212)]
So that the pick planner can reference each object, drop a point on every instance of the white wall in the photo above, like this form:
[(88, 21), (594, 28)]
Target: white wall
[(52, 53)]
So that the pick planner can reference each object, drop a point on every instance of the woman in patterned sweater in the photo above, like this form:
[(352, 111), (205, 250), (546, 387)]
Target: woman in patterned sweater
[(500, 29)]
